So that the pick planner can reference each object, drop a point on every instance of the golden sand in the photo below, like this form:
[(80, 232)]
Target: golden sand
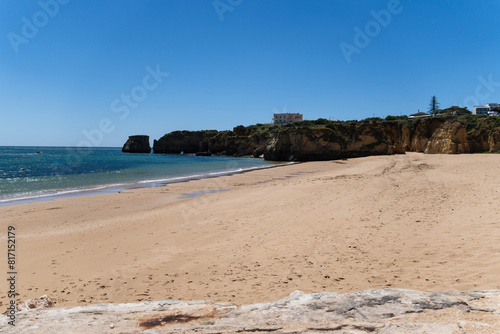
[(425, 222)]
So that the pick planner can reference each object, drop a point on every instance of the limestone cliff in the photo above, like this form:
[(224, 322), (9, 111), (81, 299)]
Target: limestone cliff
[(229, 143), (482, 133), (418, 132), (241, 141), (137, 144), (436, 135), (449, 138), (334, 141), (453, 135), (184, 141), (324, 140)]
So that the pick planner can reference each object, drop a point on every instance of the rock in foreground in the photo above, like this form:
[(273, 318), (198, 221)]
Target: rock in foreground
[(137, 144), (369, 311)]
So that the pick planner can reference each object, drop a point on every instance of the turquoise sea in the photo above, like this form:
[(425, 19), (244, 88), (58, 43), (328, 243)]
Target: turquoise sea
[(35, 173)]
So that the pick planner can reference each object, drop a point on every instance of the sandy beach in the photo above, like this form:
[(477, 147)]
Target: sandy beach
[(415, 221)]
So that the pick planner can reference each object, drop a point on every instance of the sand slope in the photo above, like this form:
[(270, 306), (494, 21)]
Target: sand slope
[(414, 221)]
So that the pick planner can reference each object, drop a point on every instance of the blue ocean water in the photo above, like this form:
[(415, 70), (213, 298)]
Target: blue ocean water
[(38, 172)]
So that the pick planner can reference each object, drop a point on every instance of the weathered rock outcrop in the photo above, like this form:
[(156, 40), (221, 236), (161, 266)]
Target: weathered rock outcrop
[(241, 142), (370, 311), (449, 138), (324, 140), (338, 140), (494, 141), (467, 134), (137, 144), (416, 138), (240, 145), (483, 134), (184, 141), (452, 135), (435, 136), (259, 151)]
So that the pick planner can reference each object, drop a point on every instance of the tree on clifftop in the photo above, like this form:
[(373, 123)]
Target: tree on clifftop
[(433, 105)]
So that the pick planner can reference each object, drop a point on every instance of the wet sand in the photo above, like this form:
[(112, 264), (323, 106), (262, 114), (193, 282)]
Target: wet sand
[(424, 222)]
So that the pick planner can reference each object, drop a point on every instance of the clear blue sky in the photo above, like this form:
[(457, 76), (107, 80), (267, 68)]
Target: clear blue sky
[(67, 67)]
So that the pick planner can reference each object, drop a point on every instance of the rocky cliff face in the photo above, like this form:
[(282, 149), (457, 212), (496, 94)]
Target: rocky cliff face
[(240, 141), (416, 134), (236, 145), (137, 144), (435, 136), (469, 134), (370, 311), (325, 140), (449, 138), (338, 140), (184, 141)]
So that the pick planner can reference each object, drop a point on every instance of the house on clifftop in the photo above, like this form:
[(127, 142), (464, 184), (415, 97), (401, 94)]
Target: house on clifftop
[(486, 109), (287, 118)]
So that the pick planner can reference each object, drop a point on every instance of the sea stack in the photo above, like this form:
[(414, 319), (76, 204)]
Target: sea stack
[(137, 144)]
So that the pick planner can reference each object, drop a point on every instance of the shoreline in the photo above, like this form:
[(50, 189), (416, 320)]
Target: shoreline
[(413, 221), (49, 195)]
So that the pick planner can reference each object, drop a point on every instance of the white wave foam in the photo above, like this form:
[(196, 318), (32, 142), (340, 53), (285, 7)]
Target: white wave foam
[(120, 186)]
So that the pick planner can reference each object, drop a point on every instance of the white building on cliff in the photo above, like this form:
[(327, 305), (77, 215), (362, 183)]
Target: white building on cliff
[(484, 110), (284, 118)]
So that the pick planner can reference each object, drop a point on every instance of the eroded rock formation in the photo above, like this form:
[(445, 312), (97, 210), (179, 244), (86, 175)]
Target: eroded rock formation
[(324, 140), (449, 138), (354, 139), (369, 311), (137, 144), (338, 140), (184, 141), (241, 142)]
